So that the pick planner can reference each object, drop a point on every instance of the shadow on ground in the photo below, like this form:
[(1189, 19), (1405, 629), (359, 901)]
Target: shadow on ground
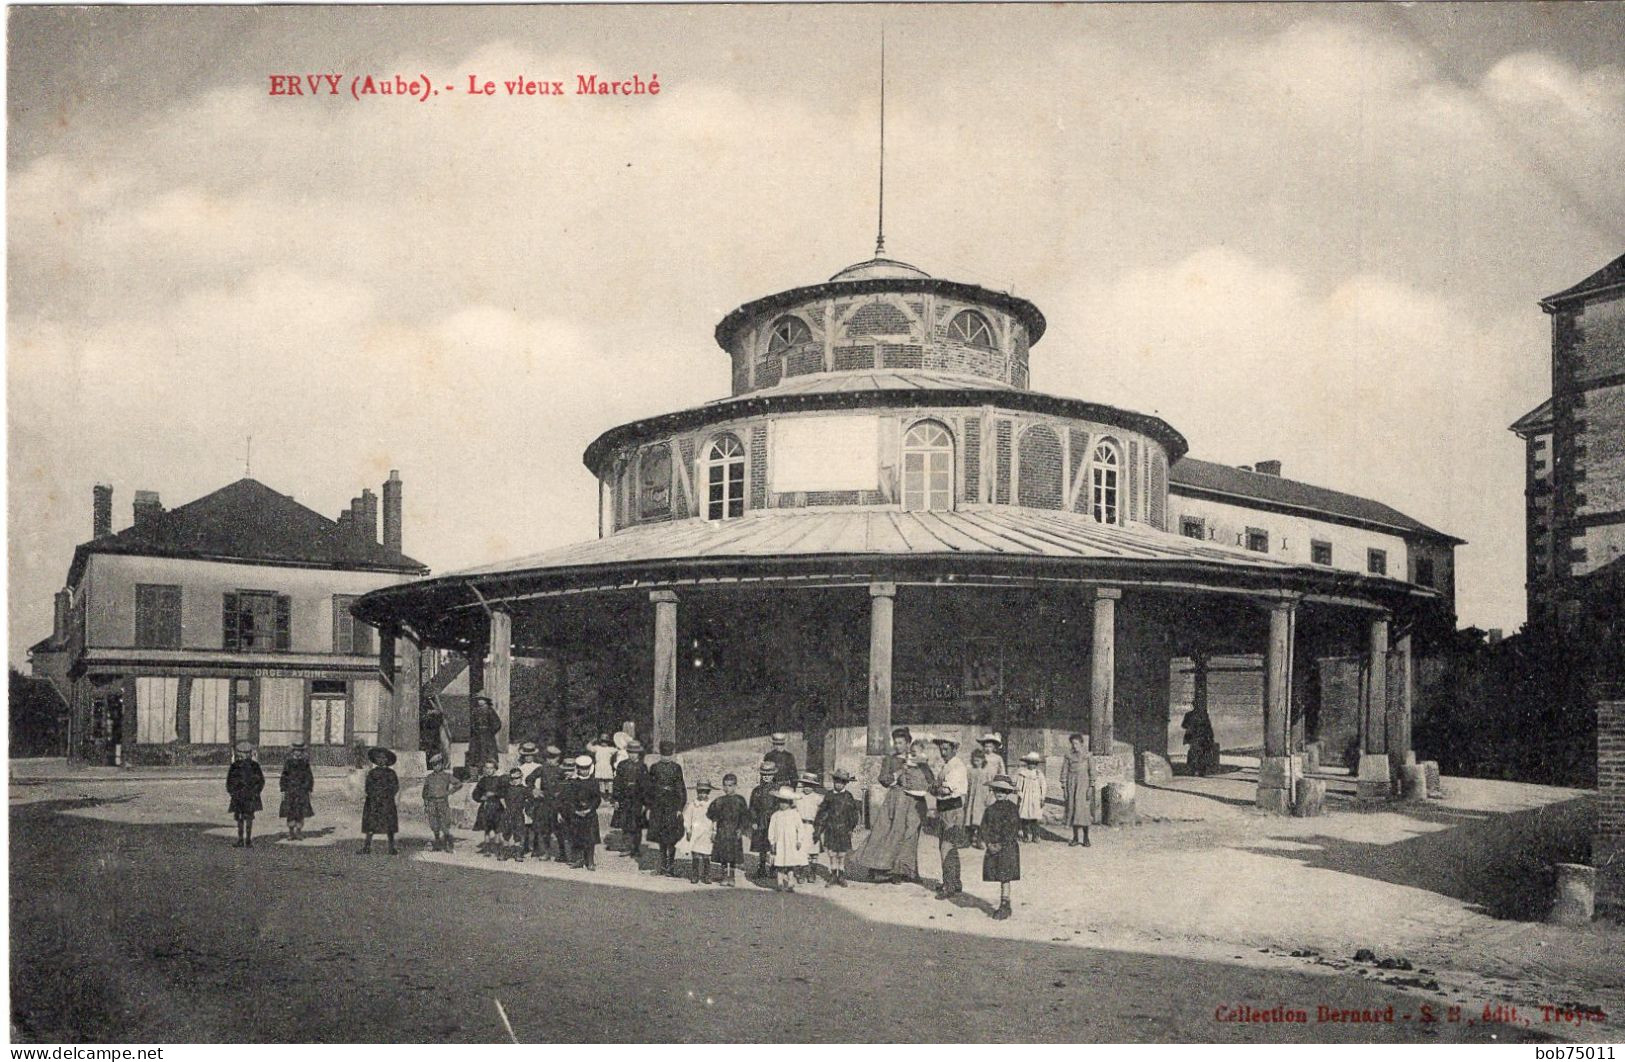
[(162, 933)]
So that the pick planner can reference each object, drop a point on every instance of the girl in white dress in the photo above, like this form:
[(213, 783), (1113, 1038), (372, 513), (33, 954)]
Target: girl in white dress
[(1030, 790)]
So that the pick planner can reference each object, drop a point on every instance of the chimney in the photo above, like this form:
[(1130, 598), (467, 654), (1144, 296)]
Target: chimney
[(146, 506), (1268, 468), (59, 627), (367, 515), (101, 524), (345, 519), (392, 511)]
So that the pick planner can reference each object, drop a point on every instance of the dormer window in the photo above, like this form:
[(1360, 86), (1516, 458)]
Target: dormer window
[(788, 332), (972, 328)]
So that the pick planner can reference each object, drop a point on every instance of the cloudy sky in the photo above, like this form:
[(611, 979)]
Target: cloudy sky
[(1314, 233)]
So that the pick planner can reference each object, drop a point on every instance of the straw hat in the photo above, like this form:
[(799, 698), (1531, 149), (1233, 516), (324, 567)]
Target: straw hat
[(1032, 757), (1003, 784), (381, 756)]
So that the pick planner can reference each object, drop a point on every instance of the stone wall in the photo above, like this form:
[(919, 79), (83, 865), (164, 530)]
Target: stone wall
[(1608, 843)]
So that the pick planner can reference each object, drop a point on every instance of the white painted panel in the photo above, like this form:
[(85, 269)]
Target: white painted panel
[(211, 711), (367, 696), (282, 710), (826, 453), (155, 699)]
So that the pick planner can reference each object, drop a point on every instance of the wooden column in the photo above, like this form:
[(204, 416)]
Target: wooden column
[(1103, 672), (1374, 740), (476, 672), (404, 703), (1278, 681), (1399, 716), (498, 675), (387, 636), (665, 670), (882, 598), (1199, 682)]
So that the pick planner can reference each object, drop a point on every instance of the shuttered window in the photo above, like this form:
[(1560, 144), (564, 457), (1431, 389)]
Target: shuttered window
[(157, 616), (155, 699), (350, 635), (257, 620)]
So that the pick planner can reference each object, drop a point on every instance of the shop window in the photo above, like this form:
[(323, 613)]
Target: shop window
[(155, 699), (329, 705), (928, 468), (1103, 480), (1320, 552), (157, 616), (970, 327), (257, 620), (725, 479), (1193, 527), (1376, 561), (1258, 540), (211, 711), (243, 726)]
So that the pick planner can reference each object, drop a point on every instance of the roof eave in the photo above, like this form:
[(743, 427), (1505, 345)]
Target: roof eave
[(1420, 531)]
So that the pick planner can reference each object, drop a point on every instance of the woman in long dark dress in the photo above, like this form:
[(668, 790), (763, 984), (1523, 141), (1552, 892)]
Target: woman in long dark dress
[(297, 784), (891, 852), (244, 781), (379, 814)]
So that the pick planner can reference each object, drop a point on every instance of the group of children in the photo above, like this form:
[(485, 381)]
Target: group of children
[(548, 808)]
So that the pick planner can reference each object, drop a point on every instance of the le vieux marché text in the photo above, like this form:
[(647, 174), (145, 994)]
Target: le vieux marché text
[(422, 88)]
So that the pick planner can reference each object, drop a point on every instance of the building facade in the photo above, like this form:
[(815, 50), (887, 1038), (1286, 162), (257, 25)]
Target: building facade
[(225, 620), (884, 523)]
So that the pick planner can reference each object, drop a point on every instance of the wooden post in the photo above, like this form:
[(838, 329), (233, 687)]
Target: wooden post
[(1103, 672), (1278, 680), (882, 598), (1376, 689), (499, 675), (1399, 717), (665, 671), (406, 737), (388, 634)]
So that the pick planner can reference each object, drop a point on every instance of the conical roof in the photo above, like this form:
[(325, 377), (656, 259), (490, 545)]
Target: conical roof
[(881, 269)]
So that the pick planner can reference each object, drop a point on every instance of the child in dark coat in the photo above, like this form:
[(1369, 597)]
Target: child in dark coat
[(244, 781), (379, 814), (762, 807), (297, 784), (838, 816), (513, 816), (1001, 832), (731, 816), (488, 795), (583, 797)]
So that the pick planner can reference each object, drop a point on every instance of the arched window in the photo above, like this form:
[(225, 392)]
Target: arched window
[(968, 326), (725, 479), (928, 468), (1103, 483), (788, 331)]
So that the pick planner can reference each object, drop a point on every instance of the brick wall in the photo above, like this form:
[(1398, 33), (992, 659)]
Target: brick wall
[(1001, 472), (758, 466), (973, 459), (1608, 843), (1039, 485)]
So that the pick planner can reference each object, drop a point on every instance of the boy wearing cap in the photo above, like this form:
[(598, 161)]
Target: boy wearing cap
[(698, 832), (297, 783), (583, 800), (809, 798), (438, 786), (838, 815), (762, 807), (378, 813), (631, 793), (731, 816), (529, 763), (1001, 830), (666, 796), (783, 760), (513, 816), (244, 781), (1030, 789), (784, 838)]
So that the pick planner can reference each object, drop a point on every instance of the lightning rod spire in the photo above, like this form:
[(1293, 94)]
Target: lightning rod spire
[(880, 232)]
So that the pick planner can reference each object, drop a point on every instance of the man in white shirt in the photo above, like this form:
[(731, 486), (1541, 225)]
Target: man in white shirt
[(952, 786)]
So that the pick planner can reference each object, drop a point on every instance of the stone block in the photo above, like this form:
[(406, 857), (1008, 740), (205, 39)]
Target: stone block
[(1413, 785), (1430, 769), (1117, 804), (1575, 903), (1279, 772), (1409, 759), (1310, 798), (1155, 769), (1311, 757), (1274, 800), (1373, 781)]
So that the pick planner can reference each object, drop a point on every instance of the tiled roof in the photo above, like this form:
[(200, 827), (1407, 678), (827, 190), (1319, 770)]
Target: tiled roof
[(1609, 276), (991, 530), (249, 521), (1207, 476), (1537, 419)]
